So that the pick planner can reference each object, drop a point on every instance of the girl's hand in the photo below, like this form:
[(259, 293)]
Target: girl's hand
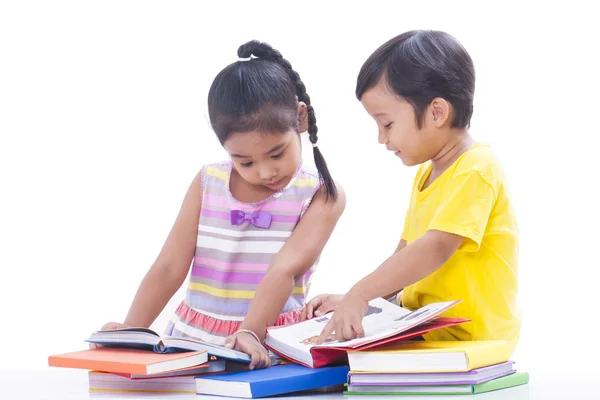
[(114, 325), (320, 305), (346, 321), (248, 344), (107, 327)]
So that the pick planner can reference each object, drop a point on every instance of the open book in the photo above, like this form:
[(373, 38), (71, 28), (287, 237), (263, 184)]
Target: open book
[(147, 339), (384, 322)]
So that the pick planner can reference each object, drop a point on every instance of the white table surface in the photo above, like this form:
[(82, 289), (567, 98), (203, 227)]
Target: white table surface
[(67, 384)]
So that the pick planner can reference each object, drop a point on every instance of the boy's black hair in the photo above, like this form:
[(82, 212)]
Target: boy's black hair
[(262, 94), (419, 66)]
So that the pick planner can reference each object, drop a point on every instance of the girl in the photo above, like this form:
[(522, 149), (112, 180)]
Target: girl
[(245, 225), (460, 237)]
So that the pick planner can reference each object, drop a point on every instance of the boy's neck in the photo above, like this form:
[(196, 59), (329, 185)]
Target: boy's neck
[(460, 142)]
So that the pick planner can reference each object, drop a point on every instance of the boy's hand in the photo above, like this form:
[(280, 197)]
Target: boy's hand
[(107, 327), (248, 344), (320, 305), (346, 321)]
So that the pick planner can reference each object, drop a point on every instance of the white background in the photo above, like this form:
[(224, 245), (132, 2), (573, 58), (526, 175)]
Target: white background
[(103, 125)]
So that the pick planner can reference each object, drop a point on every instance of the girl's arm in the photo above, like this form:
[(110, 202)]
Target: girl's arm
[(296, 256), (170, 269)]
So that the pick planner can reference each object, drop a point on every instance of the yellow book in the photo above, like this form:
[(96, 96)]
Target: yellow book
[(430, 356)]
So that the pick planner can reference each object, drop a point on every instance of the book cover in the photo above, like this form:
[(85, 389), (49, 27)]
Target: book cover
[(129, 361), (272, 381), (517, 379), (473, 377), (430, 356), (212, 366), (512, 380)]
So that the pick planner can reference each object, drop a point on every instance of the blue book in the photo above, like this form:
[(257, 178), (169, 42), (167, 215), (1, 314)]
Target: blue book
[(272, 381)]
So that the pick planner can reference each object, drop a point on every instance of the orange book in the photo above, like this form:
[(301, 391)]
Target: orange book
[(127, 361)]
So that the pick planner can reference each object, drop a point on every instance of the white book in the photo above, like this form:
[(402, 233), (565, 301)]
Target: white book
[(383, 322)]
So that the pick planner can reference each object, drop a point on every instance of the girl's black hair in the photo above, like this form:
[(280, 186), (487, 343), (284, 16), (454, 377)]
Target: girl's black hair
[(421, 65), (262, 94)]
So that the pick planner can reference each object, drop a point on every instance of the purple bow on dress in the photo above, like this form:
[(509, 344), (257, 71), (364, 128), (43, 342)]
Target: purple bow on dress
[(260, 219)]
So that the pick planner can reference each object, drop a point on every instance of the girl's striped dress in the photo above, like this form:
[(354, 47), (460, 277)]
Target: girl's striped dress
[(235, 245)]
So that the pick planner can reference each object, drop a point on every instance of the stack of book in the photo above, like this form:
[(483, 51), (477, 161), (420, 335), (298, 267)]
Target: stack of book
[(433, 368), (133, 370), (387, 361), (384, 361), (139, 360), (182, 381)]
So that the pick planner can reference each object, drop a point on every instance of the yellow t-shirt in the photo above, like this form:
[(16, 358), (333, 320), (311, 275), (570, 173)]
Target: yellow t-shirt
[(469, 199)]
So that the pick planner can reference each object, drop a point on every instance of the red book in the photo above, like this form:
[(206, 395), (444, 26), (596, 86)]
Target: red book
[(383, 323)]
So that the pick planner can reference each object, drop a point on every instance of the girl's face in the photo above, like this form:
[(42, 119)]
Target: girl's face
[(397, 124), (265, 159)]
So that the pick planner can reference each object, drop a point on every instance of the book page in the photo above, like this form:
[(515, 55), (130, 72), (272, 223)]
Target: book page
[(135, 336), (132, 330), (171, 343), (303, 336), (383, 319)]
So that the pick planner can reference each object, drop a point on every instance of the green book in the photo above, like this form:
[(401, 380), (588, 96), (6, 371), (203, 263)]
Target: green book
[(505, 382)]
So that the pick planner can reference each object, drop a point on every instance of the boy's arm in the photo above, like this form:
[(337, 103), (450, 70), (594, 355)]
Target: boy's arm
[(400, 246), (327, 302), (459, 222), (406, 267), (395, 292), (170, 269), (296, 256), (409, 265)]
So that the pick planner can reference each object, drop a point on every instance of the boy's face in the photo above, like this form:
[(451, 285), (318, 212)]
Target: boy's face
[(397, 125)]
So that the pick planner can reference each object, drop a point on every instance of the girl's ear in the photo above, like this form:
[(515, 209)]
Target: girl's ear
[(302, 117)]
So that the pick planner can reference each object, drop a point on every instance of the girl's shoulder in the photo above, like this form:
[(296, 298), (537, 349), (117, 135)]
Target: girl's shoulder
[(307, 176), (217, 170), (304, 184), (214, 177), (220, 166)]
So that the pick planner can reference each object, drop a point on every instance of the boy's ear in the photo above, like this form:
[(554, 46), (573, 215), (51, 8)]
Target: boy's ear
[(439, 112), (302, 117)]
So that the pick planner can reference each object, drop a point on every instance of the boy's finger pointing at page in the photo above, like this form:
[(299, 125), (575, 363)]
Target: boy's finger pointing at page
[(326, 331)]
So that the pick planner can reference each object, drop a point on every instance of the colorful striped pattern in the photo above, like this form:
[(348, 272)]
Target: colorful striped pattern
[(231, 260)]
